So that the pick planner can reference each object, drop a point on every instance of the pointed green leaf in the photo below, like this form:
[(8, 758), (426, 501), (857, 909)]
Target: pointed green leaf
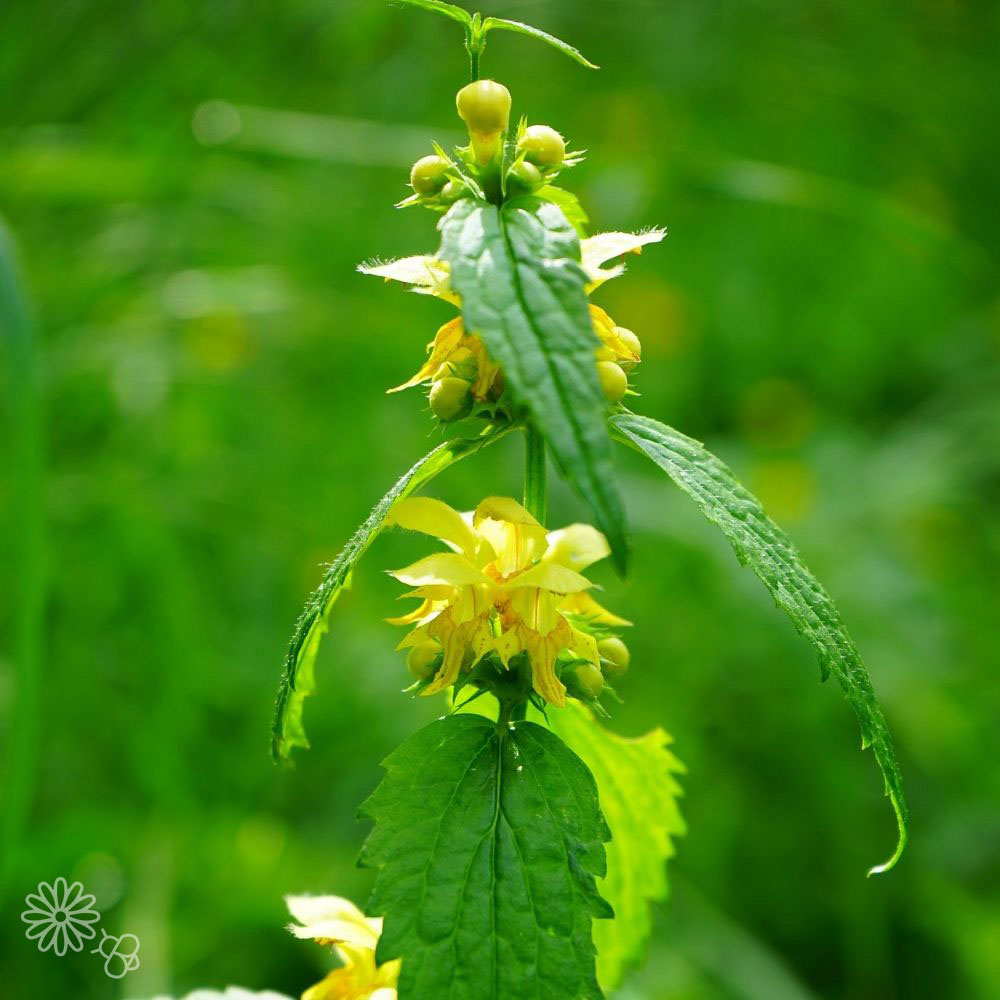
[(439, 7), (299, 680), (522, 286), (638, 794), (760, 544), (526, 29), (487, 841)]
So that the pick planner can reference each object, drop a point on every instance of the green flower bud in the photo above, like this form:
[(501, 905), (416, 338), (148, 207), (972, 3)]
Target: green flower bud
[(460, 364), (453, 190), (484, 106), (428, 174), (584, 679), (523, 178), (613, 381), (615, 656), (604, 354), (423, 661), (449, 397), (543, 146)]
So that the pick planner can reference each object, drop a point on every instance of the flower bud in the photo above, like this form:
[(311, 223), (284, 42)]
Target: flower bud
[(615, 656), (543, 146), (631, 343), (584, 679), (484, 106), (423, 661), (523, 178), (428, 174), (614, 381), (449, 396), (453, 190)]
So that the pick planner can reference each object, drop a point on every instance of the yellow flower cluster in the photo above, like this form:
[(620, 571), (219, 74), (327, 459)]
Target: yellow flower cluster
[(507, 586), (338, 924), (458, 367)]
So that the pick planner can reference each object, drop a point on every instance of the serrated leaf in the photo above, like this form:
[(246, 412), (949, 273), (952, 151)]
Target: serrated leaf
[(760, 544), (490, 23), (438, 7), (638, 794), (488, 842), (519, 276), (299, 681)]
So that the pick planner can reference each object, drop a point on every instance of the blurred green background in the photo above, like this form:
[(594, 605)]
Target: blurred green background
[(191, 186)]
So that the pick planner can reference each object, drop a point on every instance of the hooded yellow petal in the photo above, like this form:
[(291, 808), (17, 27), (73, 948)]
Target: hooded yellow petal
[(516, 537), (422, 270), (576, 546), (432, 517), (584, 605), (550, 576), (441, 568), (337, 932), (503, 509), (446, 340), (311, 909), (599, 249)]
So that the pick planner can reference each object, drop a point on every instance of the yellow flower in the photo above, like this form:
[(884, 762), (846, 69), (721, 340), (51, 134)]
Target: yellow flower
[(338, 924), (453, 346), (508, 586), (465, 354)]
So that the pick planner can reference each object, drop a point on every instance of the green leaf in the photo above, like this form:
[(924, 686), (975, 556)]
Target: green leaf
[(638, 794), (760, 544), (522, 286), (488, 841), (569, 204), (526, 29), (438, 7), (299, 680)]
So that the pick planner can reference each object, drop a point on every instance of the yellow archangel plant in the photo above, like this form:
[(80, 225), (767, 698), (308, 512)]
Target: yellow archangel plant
[(517, 842)]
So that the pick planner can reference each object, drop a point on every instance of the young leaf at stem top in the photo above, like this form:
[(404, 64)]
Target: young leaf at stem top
[(760, 544), (477, 27), (518, 272), (576, 55), (439, 7), (487, 840)]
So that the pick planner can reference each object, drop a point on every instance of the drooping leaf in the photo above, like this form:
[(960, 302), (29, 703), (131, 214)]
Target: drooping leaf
[(298, 680), (487, 841), (439, 7), (518, 273), (760, 544), (638, 793), (490, 23)]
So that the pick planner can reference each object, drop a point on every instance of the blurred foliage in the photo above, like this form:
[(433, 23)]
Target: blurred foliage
[(191, 187)]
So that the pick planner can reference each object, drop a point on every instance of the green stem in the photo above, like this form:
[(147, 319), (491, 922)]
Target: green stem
[(536, 489), (475, 41)]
